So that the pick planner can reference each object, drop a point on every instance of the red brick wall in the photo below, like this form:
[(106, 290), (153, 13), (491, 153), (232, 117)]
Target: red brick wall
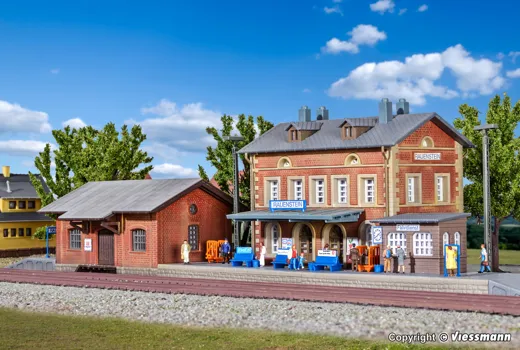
[(440, 138)]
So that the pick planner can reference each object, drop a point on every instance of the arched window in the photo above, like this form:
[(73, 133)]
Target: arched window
[(422, 244), (284, 163), (445, 240), (456, 238), (352, 160), (139, 240), (427, 142), (275, 238), (395, 239)]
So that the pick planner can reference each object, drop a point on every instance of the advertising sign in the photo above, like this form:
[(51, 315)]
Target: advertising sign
[(327, 253), (350, 241), (427, 156), (408, 228), (287, 243), (244, 250), (377, 234), (285, 251), (287, 205), (88, 244)]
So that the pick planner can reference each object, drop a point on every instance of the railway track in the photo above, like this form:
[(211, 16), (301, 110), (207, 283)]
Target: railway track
[(491, 304)]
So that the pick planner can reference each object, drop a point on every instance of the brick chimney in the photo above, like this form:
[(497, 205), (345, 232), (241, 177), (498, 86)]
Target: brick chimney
[(6, 171)]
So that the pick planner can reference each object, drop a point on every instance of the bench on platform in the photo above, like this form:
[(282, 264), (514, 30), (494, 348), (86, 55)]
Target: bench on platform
[(280, 261), (321, 261), (240, 258)]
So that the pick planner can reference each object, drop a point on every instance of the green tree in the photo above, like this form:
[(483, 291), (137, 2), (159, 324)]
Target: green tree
[(87, 154), (504, 163), (221, 157)]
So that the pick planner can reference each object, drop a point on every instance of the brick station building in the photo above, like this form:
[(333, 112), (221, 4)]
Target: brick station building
[(138, 223), (401, 172)]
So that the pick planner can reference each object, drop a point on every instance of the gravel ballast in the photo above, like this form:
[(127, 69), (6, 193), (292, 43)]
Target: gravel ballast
[(347, 320)]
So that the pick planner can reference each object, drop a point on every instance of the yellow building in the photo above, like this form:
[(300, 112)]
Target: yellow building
[(19, 219)]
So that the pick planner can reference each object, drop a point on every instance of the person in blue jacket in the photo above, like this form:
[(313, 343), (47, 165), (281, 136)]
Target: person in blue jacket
[(226, 250), (301, 260)]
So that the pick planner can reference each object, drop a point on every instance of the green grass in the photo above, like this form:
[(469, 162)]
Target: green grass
[(507, 257), (25, 330)]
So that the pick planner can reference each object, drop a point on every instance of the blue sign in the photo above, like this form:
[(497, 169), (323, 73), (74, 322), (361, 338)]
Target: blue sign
[(244, 250), (51, 230), (287, 205)]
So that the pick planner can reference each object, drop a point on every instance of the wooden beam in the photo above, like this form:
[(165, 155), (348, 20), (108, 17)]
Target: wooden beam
[(109, 226)]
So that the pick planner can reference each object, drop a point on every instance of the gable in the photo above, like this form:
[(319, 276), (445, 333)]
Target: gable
[(432, 129)]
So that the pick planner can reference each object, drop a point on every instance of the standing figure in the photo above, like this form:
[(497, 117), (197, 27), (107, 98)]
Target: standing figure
[(326, 247), (451, 261), (262, 254), (354, 256), (294, 258), (185, 252), (484, 261), (401, 255), (301, 260), (226, 250), (388, 259)]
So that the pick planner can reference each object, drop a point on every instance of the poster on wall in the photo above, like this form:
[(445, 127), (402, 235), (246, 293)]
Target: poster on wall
[(350, 242), (88, 244), (287, 243)]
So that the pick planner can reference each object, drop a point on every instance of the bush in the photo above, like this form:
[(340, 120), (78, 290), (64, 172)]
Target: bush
[(40, 232)]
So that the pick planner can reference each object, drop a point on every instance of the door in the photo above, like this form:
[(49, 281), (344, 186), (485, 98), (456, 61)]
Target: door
[(105, 248), (336, 241), (306, 242)]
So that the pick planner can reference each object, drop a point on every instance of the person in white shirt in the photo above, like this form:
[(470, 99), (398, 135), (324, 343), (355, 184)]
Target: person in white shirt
[(262, 254), (484, 261)]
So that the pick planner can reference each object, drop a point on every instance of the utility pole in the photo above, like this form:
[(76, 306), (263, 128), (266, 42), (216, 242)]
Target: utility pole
[(487, 196), (236, 225)]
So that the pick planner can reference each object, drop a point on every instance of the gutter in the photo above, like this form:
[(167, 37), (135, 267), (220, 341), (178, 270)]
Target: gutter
[(385, 166)]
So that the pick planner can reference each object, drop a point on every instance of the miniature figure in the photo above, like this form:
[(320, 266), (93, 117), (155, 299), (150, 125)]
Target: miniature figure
[(388, 259), (326, 247), (401, 255), (185, 252), (262, 254), (226, 249), (294, 258), (354, 256), (451, 261), (301, 261), (484, 261)]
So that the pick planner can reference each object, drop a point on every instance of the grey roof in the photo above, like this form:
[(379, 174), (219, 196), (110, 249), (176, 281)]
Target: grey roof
[(329, 138), (371, 121), (21, 187), (313, 126), (101, 199), (327, 215), (22, 217), (421, 218)]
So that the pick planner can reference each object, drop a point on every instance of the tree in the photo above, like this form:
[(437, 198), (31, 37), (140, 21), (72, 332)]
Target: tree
[(87, 154), (504, 163), (221, 157)]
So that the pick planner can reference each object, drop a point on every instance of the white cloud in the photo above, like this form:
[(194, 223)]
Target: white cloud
[(30, 164), (55, 71), (173, 170), (335, 9), (74, 123), (383, 6), (422, 8), (14, 118), (402, 11), (22, 147), (363, 34), (306, 91), (163, 151), (513, 73), (500, 56), (514, 55), (414, 79)]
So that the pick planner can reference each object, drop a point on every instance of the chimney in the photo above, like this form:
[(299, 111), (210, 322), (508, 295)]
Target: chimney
[(402, 107), (385, 111), (304, 114), (8, 187), (322, 113), (6, 170)]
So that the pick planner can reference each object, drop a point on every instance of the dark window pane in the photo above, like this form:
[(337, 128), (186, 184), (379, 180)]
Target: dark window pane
[(28, 232), (21, 232), (12, 205), (31, 204), (21, 205), (6, 232), (13, 232)]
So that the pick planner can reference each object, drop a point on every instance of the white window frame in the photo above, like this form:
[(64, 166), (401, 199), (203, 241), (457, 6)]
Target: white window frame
[(396, 238), (274, 189), (372, 191), (440, 188), (445, 240), (342, 188), (423, 244), (456, 239), (411, 189), (275, 231), (317, 191), (298, 188)]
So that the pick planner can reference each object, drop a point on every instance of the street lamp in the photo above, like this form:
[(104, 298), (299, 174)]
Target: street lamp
[(234, 140), (487, 197)]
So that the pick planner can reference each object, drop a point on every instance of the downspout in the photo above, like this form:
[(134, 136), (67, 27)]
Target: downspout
[(252, 198), (385, 165)]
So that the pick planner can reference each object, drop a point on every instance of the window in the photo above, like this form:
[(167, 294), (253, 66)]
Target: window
[(31, 204), (342, 191), (28, 232), (75, 239), (13, 232), (6, 232), (294, 135), (352, 160), (21, 205), (413, 194), (320, 191), (12, 204), (422, 244), (275, 237), (395, 239), (456, 237), (139, 240), (298, 189), (427, 142), (348, 131), (442, 189), (274, 190), (21, 232), (445, 240), (369, 190), (193, 236)]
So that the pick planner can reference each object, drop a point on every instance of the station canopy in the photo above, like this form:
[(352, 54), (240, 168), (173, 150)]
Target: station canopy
[(334, 215)]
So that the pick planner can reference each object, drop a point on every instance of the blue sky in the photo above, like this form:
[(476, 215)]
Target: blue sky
[(175, 67)]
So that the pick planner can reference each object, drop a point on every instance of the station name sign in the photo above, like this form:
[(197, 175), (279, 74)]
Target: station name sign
[(408, 228), (287, 205), (427, 156)]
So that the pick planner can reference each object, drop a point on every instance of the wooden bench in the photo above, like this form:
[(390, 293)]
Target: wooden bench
[(321, 261), (280, 261), (240, 258)]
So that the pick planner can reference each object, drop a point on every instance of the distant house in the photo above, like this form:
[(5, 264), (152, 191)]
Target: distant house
[(138, 223), (19, 218)]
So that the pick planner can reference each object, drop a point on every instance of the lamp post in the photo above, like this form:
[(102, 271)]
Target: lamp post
[(236, 230), (487, 197)]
